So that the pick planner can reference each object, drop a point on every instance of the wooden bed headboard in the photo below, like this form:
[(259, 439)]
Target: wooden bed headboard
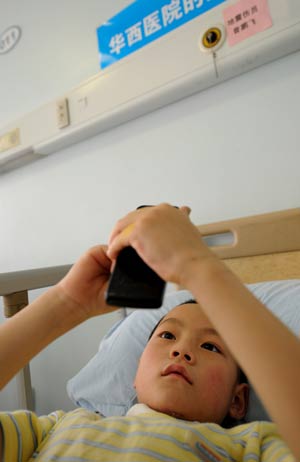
[(263, 248)]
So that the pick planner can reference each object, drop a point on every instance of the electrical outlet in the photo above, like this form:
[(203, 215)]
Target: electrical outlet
[(10, 140), (63, 116)]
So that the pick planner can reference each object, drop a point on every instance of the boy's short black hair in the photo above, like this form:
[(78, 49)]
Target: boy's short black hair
[(158, 323)]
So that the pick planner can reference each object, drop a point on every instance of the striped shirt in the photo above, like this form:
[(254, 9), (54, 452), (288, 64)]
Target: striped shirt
[(144, 436)]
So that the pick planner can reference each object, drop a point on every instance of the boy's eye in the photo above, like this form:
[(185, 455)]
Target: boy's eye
[(167, 335), (211, 347)]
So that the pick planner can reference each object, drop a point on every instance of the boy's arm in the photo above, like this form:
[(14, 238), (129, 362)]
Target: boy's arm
[(79, 296), (32, 329), (265, 348), (267, 351)]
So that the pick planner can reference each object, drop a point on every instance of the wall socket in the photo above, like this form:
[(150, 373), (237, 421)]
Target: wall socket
[(10, 140), (63, 116)]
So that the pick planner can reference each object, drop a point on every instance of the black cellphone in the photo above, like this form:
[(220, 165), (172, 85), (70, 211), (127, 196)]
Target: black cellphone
[(133, 284)]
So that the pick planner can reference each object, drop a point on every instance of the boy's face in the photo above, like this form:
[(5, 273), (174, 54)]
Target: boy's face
[(187, 371)]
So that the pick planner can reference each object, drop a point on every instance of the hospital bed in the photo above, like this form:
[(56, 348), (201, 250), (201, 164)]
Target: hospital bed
[(257, 248)]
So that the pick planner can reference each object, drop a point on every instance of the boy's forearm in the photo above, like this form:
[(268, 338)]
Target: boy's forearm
[(28, 332), (267, 351)]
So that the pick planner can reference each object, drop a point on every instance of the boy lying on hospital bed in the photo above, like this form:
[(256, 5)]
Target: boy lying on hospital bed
[(188, 380)]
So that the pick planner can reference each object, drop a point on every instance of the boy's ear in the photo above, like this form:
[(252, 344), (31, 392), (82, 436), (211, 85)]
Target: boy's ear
[(239, 404)]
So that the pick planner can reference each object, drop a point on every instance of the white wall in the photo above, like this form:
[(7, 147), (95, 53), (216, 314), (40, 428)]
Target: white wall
[(230, 151)]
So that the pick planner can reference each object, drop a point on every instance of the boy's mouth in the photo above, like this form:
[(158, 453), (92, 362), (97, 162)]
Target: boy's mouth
[(177, 369)]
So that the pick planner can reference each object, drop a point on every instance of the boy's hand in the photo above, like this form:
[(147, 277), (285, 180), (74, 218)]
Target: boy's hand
[(165, 239), (86, 282)]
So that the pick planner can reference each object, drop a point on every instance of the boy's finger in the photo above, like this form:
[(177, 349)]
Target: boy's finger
[(120, 241), (121, 225), (128, 230), (118, 228), (186, 209)]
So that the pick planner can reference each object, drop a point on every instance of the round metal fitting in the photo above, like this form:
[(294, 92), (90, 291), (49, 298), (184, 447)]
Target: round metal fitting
[(211, 37)]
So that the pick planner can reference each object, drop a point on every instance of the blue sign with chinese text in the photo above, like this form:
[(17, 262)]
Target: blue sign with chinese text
[(143, 22)]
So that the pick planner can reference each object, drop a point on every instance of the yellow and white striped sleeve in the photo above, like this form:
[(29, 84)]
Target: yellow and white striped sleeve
[(22, 432)]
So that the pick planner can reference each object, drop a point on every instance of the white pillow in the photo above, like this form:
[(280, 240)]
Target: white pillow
[(105, 384)]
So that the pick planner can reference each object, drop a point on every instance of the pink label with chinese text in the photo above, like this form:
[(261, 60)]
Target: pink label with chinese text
[(246, 18)]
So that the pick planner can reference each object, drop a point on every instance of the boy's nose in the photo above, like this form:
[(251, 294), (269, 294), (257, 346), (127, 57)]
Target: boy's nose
[(187, 356)]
